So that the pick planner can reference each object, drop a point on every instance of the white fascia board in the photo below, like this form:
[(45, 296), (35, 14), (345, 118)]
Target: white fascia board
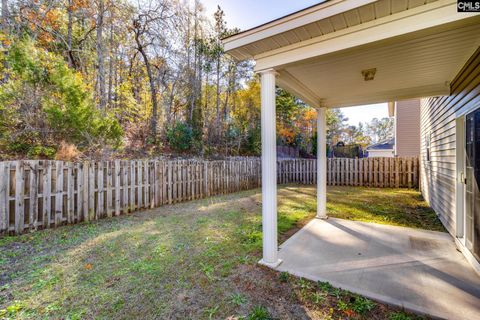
[(423, 17), (296, 20)]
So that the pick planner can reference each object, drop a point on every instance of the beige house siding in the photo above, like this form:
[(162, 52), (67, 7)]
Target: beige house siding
[(407, 128), (438, 120)]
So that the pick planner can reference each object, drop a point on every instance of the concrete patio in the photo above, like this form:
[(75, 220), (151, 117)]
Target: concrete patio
[(419, 270)]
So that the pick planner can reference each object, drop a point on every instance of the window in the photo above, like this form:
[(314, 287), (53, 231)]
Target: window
[(428, 138)]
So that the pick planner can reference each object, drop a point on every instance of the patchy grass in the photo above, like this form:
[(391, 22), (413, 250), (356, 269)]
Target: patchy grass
[(400, 207), (195, 260)]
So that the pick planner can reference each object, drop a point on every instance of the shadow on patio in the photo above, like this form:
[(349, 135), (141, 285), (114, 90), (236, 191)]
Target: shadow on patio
[(416, 269)]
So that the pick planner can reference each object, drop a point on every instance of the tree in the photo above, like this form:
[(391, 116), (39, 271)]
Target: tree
[(148, 27), (381, 129), (102, 94), (45, 102), (336, 124), (5, 16), (217, 51)]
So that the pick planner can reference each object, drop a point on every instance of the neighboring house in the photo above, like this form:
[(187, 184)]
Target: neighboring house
[(407, 127), (384, 149)]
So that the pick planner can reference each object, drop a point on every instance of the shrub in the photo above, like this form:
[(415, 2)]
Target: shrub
[(44, 102), (67, 152), (180, 136)]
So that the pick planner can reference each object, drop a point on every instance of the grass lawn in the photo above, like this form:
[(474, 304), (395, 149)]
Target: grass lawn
[(399, 207), (195, 260)]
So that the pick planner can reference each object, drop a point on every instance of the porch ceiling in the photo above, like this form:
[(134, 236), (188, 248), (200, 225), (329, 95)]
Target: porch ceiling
[(405, 69), (416, 47)]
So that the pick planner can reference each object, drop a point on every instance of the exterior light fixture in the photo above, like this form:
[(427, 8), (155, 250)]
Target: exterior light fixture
[(369, 74)]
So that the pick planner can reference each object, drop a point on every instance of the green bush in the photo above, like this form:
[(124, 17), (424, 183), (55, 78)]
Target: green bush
[(44, 102), (254, 141), (180, 136)]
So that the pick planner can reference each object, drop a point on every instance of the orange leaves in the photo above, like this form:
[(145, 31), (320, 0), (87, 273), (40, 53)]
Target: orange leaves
[(79, 4), (286, 134), (349, 313), (52, 18), (44, 21), (45, 38), (310, 115), (88, 266), (5, 40)]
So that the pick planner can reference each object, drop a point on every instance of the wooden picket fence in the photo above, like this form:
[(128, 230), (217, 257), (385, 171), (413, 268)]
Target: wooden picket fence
[(45, 194), (367, 172)]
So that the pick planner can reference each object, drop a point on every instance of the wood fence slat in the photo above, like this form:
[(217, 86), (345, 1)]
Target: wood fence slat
[(109, 189), (125, 170), (4, 183), (33, 196), (92, 213), (47, 199), (70, 193), (86, 193), (19, 196), (117, 176), (58, 193), (79, 188)]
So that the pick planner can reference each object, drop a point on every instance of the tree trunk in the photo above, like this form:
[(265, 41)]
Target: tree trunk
[(217, 119), (71, 62), (100, 57), (5, 15), (110, 65), (153, 89)]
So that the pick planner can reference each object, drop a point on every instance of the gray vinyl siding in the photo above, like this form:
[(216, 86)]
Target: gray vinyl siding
[(437, 117)]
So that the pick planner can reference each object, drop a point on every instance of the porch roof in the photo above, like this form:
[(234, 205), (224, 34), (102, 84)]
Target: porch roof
[(327, 53)]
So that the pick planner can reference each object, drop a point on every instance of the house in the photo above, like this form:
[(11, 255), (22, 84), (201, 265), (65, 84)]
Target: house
[(407, 127), (342, 53), (385, 149), (406, 140)]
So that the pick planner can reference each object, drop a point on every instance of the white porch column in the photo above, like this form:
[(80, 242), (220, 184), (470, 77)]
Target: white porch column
[(269, 170), (322, 163)]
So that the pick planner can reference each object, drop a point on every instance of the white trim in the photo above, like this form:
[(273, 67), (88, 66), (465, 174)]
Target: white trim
[(427, 16), (270, 265), (322, 163), (321, 11), (460, 169), (269, 169), (268, 71), (468, 255), (293, 85)]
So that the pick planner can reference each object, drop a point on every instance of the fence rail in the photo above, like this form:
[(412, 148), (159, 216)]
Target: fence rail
[(45, 194)]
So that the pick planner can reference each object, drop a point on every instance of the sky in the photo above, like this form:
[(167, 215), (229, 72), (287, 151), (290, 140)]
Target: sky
[(246, 14)]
